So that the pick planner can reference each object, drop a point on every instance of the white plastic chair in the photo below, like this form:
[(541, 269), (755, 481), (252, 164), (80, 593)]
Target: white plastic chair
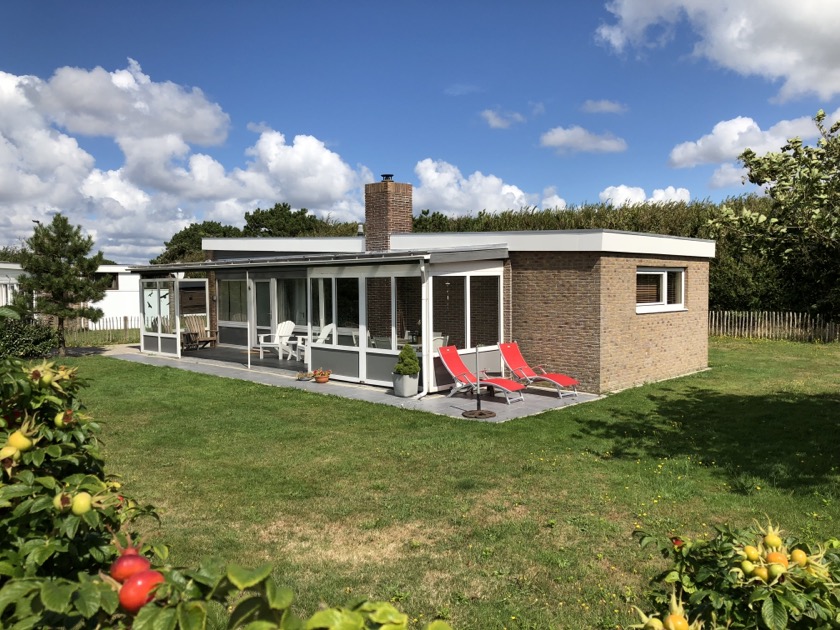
[(303, 342), (279, 340)]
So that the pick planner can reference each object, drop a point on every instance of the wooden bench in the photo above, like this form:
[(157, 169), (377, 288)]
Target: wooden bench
[(197, 333)]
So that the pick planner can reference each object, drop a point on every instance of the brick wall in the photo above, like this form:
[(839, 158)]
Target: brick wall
[(388, 210), (639, 348), (555, 312), (576, 313)]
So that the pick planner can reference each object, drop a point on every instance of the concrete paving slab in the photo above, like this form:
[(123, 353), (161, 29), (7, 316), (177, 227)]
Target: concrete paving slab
[(268, 372)]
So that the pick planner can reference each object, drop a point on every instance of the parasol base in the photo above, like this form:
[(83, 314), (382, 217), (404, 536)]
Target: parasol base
[(479, 414)]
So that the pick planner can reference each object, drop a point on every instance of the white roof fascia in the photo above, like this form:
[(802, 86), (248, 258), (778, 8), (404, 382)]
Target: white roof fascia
[(291, 245), (607, 241)]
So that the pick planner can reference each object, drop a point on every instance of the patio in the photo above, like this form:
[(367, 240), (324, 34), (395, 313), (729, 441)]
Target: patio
[(231, 362)]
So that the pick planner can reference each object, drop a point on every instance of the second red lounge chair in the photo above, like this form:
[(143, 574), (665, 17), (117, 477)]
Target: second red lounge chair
[(464, 379), (512, 356)]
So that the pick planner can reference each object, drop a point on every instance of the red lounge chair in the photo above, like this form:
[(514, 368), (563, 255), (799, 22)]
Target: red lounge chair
[(516, 363), (464, 379)]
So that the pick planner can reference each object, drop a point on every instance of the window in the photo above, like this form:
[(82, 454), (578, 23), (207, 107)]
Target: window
[(659, 290), (233, 301), (113, 280)]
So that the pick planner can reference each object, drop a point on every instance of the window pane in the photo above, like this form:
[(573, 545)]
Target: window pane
[(448, 310), (263, 291), (291, 300), (167, 307), (379, 314), (675, 287), (347, 301), (151, 307), (484, 310), (322, 301), (648, 288), (409, 298), (232, 307)]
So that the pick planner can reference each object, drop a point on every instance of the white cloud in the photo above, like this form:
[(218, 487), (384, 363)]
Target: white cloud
[(163, 184), (791, 42), (629, 195), (442, 188), (551, 199), (578, 139), (729, 138), (727, 175), (670, 194), (501, 120), (603, 107)]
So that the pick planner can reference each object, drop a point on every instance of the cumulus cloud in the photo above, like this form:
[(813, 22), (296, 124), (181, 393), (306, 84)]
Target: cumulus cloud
[(729, 138), (628, 195), (551, 200), (727, 175), (164, 183), (577, 139), (443, 187), (603, 107), (791, 42), (501, 120)]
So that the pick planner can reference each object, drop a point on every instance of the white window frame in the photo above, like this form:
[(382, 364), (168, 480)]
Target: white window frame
[(662, 306)]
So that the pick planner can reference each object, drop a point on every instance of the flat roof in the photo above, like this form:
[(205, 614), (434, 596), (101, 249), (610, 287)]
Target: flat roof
[(613, 241), (438, 255)]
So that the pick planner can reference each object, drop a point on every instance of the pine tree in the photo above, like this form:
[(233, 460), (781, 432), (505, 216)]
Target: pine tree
[(60, 275)]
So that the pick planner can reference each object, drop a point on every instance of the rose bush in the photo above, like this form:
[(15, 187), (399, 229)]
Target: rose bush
[(749, 578), (66, 557)]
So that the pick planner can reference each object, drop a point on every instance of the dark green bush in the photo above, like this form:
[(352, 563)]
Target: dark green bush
[(22, 339)]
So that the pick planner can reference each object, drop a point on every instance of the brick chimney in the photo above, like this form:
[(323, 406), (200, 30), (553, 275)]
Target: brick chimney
[(388, 210)]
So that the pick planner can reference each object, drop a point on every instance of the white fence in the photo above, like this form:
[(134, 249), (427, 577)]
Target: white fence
[(770, 325)]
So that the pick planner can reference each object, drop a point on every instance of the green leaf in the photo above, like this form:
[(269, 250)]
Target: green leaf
[(261, 625), (192, 615), (56, 595), (243, 578), (773, 614), (110, 601), (15, 591), (88, 599), (335, 619), (41, 554), (249, 609), (155, 618), (46, 482), (70, 526), (278, 598)]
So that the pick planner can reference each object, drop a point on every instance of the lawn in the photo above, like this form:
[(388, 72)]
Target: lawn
[(526, 524)]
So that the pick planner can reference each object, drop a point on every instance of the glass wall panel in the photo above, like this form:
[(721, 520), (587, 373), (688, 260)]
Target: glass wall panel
[(291, 300), (263, 299), (167, 307), (347, 309), (448, 309), (484, 310), (322, 308), (409, 306), (233, 301), (151, 307), (379, 313)]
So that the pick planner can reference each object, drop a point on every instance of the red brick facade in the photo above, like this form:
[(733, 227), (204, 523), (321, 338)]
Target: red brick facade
[(388, 210), (576, 313)]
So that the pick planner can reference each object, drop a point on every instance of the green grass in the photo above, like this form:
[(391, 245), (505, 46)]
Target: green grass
[(526, 524)]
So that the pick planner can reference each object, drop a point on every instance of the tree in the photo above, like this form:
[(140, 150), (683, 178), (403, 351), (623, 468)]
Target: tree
[(10, 254), (185, 246), (281, 221), (801, 232), (60, 275)]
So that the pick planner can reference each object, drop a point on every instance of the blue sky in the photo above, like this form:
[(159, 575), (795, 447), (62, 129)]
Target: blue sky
[(135, 119)]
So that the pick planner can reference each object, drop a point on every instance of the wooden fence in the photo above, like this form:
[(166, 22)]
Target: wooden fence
[(769, 325), (108, 330)]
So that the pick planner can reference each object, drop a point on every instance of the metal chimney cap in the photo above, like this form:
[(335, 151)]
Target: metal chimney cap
[(387, 177)]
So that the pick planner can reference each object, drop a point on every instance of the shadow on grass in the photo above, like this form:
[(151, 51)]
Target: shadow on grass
[(788, 441)]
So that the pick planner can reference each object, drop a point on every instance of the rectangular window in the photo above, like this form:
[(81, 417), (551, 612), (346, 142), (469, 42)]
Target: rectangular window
[(233, 296), (291, 300), (659, 290)]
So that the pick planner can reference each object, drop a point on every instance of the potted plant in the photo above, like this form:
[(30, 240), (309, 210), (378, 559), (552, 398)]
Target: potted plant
[(406, 372), (321, 375)]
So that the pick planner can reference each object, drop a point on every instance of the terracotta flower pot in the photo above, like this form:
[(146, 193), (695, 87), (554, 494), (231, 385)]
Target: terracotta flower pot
[(322, 379)]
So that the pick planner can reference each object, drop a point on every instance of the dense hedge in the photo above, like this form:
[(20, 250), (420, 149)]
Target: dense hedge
[(22, 339)]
